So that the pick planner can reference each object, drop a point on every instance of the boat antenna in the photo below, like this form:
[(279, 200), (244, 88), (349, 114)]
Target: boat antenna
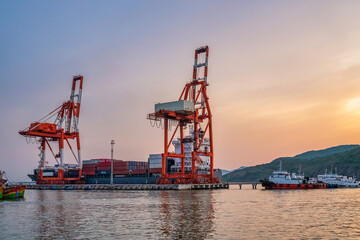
[(335, 170), (280, 166)]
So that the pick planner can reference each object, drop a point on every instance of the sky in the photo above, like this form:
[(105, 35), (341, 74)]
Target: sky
[(284, 75)]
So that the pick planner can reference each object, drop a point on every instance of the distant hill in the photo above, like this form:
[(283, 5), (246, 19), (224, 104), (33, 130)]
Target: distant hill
[(326, 152), (346, 158), (224, 172)]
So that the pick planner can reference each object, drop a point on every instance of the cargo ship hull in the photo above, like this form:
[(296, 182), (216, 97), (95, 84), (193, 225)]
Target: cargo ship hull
[(120, 180), (98, 171)]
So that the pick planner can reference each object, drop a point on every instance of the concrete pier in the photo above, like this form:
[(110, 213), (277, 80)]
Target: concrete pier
[(253, 184), (129, 186)]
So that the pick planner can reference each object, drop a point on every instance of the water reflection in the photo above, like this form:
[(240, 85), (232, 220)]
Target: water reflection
[(186, 214), (55, 216), (220, 214)]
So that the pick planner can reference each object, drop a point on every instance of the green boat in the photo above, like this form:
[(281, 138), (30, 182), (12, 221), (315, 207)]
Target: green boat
[(2, 184), (10, 191), (14, 192)]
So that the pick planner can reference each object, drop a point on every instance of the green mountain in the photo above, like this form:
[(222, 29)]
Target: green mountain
[(224, 172), (326, 152), (346, 158)]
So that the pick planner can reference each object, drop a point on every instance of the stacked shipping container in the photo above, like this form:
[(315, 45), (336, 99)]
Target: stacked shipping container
[(137, 167), (89, 169), (103, 167), (121, 167), (155, 163)]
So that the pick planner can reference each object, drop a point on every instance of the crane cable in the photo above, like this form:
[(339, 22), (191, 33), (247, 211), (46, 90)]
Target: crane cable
[(41, 120)]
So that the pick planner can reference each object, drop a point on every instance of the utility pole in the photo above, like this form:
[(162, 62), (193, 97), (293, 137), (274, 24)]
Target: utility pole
[(112, 163)]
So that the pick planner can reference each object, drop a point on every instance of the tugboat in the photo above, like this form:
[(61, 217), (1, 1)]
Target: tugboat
[(11, 191), (282, 180)]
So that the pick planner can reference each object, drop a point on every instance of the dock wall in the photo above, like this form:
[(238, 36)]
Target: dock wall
[(130, 186)]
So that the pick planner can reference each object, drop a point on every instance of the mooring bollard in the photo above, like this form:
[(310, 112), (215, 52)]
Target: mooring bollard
[(240, 185)]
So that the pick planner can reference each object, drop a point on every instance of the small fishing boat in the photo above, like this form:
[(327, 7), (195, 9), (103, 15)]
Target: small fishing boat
[(2, 184), (13, 192), (10, 191)]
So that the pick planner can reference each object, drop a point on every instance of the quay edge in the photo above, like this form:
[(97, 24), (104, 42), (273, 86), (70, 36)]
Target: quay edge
[(129, 186)]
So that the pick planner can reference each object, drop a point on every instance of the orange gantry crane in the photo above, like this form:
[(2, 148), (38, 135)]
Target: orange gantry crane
[(64, 128), (191, 109)]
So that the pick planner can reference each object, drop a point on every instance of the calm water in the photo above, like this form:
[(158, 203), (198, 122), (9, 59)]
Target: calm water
[(217, 214)]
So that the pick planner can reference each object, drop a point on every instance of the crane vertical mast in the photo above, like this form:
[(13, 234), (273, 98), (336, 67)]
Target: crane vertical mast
[(193, 109)]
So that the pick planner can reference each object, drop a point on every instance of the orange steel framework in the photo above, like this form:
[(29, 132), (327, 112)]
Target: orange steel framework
[(64, 128), (194, 91)]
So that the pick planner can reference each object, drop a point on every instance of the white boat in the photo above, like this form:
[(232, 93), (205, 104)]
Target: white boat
[(284, 180), (333, 180)]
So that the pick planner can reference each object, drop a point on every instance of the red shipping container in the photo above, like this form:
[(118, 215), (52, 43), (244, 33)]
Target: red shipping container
[(139, 171), (120, 172), (155, 170), (89, 165), (107, 165), (120, 165), (103, 168), (121, 168), (121, 162), (101, 164), (89, 173)]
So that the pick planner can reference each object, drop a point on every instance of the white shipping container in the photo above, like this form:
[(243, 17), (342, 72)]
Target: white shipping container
[(91, 161), (48, 174), (176, 106), (156, 160), (155, 166)]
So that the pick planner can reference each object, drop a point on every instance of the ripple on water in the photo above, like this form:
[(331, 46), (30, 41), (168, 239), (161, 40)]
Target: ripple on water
[(218, 214)]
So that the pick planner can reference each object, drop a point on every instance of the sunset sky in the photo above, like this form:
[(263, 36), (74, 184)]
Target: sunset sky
[(284, 75)]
